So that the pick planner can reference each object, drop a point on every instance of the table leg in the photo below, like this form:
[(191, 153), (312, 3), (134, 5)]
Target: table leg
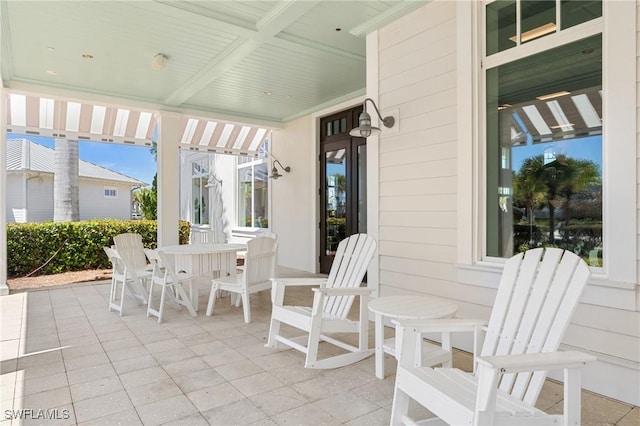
[(193, 293), (379, 336)]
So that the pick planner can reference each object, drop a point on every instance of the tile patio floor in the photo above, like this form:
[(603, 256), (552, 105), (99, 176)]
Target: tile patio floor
[(61, 349)]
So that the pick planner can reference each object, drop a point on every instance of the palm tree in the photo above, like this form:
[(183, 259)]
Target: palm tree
[(66, 200), (529, 188), (578, 175)]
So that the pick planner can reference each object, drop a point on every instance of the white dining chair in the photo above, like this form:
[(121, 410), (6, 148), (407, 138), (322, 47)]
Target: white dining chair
[(259, 268), (170, 283)]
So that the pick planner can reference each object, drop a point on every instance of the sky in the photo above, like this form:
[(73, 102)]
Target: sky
[(585, 148), (133, 161)]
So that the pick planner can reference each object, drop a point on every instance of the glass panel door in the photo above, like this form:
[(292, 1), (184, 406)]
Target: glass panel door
[(344, 195), (343, 177), (335, 199)]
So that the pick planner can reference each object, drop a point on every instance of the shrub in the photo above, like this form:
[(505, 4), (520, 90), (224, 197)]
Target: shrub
[(72, 246)]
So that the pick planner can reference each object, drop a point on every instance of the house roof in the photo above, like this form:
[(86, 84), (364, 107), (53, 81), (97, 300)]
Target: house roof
[(27, 155)]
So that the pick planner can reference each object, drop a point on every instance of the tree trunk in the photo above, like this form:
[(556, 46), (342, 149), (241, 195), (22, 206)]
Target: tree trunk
[(66, 203)]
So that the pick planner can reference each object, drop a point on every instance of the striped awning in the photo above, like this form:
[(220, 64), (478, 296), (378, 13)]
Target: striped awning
[(566, 116), (60, 118)]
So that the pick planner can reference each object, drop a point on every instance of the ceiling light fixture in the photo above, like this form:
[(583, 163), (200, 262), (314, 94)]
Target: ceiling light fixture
[(552, 95), (274, 171), (159, 61), (365, 129), (535, 33), (52, 72)]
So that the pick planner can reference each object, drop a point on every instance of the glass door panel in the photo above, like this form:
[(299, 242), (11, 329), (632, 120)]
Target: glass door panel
[(343, 190), (335, 199)]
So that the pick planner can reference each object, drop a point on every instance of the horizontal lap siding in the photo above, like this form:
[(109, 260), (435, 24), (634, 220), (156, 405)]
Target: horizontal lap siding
[(417, 75), (15, 198), (40, 194), (94, 205)]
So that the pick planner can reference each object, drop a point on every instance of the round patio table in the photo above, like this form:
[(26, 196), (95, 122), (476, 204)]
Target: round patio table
[(410, 307)]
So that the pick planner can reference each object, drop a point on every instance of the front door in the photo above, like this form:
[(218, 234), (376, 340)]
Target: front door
[(343, 195)]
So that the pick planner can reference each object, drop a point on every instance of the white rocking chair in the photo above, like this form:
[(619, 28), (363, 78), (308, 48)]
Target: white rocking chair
[(534, 303), (331, 304)]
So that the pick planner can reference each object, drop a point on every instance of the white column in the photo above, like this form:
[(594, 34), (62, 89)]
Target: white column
[(4, 289), (168, 178)]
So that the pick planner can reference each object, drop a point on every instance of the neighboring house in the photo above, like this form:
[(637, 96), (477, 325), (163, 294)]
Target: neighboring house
[(30, 169)]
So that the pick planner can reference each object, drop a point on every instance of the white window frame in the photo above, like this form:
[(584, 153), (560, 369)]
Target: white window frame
[(620, 208), (254, 162), (110, 188), (203, 162)]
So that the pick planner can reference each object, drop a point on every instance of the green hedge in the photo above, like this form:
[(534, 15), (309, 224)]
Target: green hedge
[(78, 244)]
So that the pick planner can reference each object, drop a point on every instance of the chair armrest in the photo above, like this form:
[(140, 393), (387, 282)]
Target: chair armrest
[(535, 362), (408, 331), (343, 291), (298, 281), (278, 286)]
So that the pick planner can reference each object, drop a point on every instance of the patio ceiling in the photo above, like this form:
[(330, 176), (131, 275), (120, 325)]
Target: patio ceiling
[(256, 62)]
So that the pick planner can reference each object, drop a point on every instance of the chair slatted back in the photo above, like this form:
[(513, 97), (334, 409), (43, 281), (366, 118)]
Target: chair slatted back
[(168, 262), (347, 271), (201, 236), (260, 260), (536, 298), (131, 249)]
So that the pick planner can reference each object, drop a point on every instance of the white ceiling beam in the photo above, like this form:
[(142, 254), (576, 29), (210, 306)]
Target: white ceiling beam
[(400, 9), (249, 30), (276, 20), (283, 15)]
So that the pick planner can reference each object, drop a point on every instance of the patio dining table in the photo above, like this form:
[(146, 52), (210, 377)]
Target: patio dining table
[(202, 260)]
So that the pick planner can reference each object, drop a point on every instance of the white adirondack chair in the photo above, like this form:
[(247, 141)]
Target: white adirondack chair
[(259, 268), (165, 276), (131, 250), (331, 304), (534, 303), (121, 285)]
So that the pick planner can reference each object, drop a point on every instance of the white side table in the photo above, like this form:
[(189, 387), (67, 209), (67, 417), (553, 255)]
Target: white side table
[(411, 307)]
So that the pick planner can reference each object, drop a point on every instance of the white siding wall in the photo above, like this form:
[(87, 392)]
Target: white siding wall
[(418, 212), (93, 203), (40, 199), (417, 75), (15, 197)]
